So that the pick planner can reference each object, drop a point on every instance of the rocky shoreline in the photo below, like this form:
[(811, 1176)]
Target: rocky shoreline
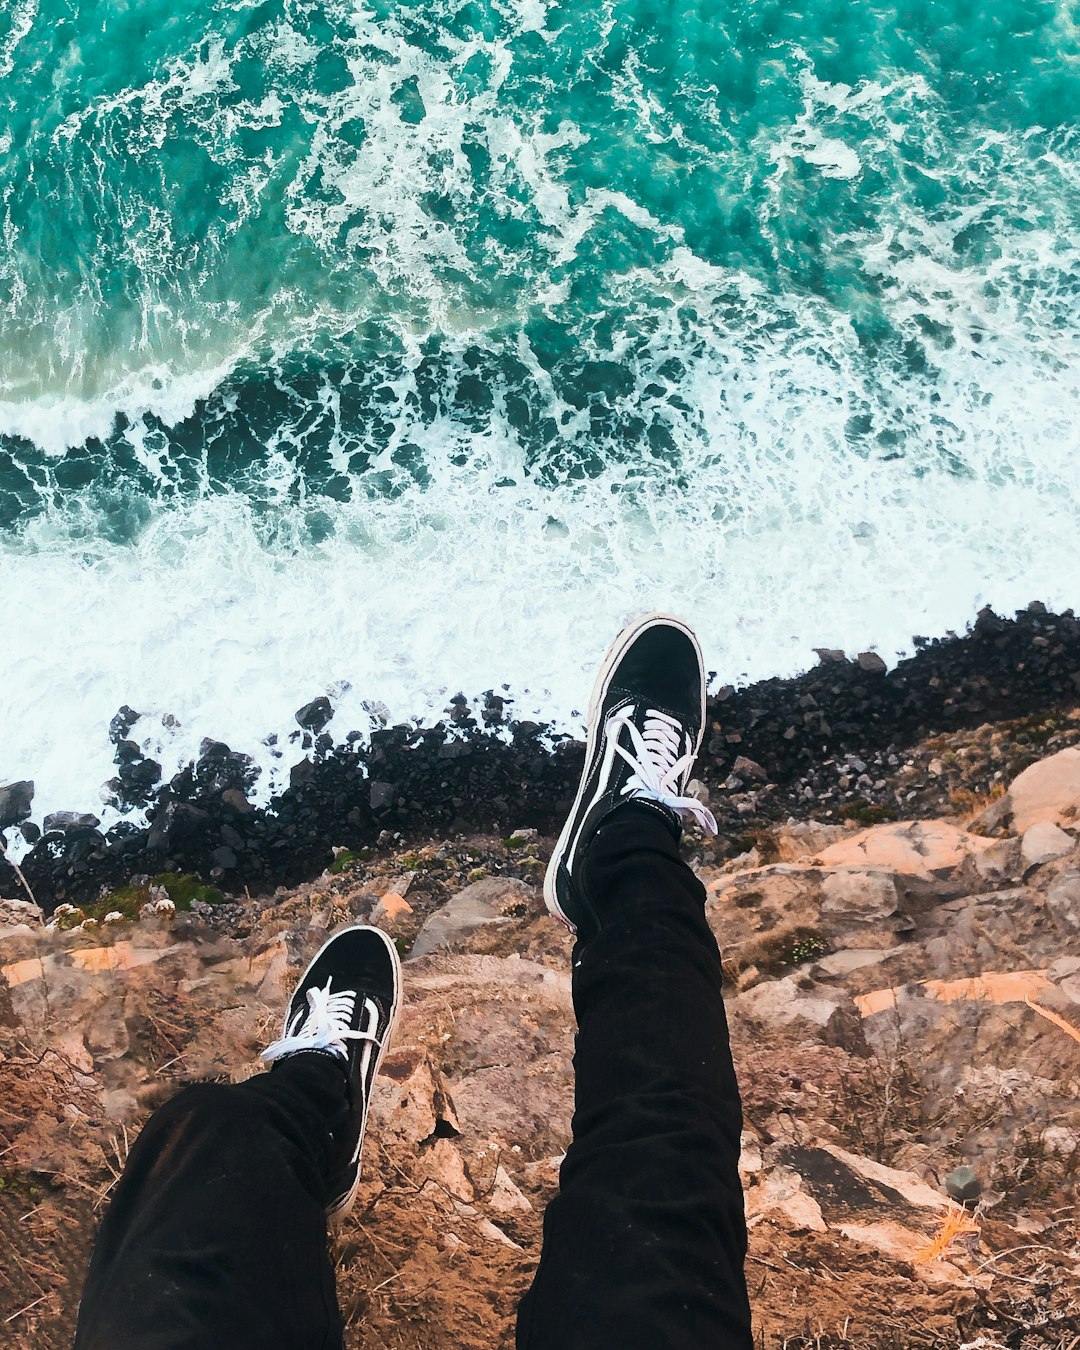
[(904, 1005), (847, 740)]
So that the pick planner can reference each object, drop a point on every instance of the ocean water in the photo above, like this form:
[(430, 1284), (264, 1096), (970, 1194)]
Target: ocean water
[(392, 349)]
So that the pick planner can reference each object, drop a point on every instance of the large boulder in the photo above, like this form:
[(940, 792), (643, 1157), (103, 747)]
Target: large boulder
[(1048, 791)]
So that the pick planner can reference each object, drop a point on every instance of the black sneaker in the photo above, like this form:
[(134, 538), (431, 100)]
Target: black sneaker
[(646, 718), (346, 1005)]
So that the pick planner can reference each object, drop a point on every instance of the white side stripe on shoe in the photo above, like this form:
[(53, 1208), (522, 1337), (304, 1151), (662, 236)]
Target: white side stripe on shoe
[(660, 763)]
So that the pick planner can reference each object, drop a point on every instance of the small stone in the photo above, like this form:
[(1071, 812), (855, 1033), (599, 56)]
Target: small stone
[(872, 663), (831, 656), (963, 1185), (224, 858), (749, 770), (381, 795)]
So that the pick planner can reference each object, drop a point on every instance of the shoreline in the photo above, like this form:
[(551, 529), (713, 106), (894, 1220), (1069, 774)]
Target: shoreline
[(829, 742)]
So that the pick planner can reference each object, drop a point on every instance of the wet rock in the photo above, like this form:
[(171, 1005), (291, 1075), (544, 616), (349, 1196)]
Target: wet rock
[(1044, 842), (236, 801), (174, 823), (314, 716), (121, 724), (15, 800), (381, 795), (70, 822)]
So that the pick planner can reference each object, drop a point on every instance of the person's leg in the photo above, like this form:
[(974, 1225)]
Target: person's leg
[(644, 1244), (216, 1234)]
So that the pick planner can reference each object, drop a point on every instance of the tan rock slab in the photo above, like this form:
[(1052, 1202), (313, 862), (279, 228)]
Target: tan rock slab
[(860, 892), (94, 960), (914, 1190), (1002, 986), (781, 1197), (1043, 842), (921, 848), (505, 1197), (490, 901), (14, 913), (1048, 791), (901, 1243), (804, 839), (1000, 861), (852, 958)]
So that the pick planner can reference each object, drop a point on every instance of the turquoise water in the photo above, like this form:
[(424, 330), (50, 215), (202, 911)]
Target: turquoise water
[(406, 345)]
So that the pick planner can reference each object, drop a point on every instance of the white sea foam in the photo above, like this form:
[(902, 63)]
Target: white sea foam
[(776, 541)]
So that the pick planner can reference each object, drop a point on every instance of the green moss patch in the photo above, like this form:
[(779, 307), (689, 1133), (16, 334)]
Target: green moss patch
[(182, 890), (347, 859)]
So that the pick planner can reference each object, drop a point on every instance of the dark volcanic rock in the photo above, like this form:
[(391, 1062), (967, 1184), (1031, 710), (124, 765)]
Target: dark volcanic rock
[(314, 716), (70, 823), (15, 800), (122, 723), (832, 735), (175, 823)]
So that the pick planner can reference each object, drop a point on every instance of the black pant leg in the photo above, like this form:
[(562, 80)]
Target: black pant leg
[(216, 1233), (644, 1244)]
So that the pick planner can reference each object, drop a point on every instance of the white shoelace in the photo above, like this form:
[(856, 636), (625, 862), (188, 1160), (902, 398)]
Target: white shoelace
[(660, 764), (326, 1024)]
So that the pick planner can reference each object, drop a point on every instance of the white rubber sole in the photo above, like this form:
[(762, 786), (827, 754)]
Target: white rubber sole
[(341, 1210), (614, 655)]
